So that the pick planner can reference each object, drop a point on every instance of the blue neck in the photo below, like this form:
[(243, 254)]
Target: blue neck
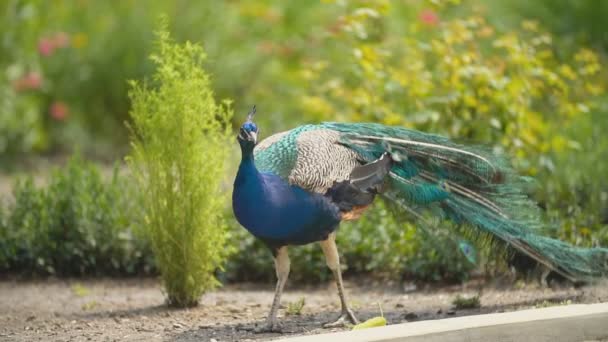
[(273, 210), (247, 169)]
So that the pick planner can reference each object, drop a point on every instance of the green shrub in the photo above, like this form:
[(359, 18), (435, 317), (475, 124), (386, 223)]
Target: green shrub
[(464, 303), (575, 190), (180, 142), (77, 224)]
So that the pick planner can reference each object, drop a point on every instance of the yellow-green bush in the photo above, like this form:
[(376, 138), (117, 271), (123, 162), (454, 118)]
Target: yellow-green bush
[(180, 142)]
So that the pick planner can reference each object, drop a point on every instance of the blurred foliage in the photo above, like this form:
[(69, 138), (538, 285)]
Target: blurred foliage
[(480, 71), (575, 189), (66, 64), (180, 140), (458, 77), (78, 224), (580, 22)]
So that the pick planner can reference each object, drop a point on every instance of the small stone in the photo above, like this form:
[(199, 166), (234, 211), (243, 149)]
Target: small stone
[(212, 340), (177, 326), (30, 318), (409, 287), (410, 316), (399, 305), (439, 312), (451, 312)]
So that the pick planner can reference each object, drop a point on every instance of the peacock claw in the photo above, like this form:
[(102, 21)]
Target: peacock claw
[(269, 327), (347, 317)]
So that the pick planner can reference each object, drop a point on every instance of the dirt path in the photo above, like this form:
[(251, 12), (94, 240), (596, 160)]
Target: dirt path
[(133, 310)]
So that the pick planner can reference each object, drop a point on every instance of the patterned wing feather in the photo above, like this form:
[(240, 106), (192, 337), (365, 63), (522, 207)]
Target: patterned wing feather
[(321, 161), (310, 157)]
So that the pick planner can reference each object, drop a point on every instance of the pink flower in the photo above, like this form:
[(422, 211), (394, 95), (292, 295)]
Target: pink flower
[(46, 46), (59, 111), (428, 17), (31, 81), (266, 47), (61, 40)]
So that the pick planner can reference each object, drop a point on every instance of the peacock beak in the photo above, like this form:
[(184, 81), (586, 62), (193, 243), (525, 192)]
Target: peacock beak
[(248, 136)]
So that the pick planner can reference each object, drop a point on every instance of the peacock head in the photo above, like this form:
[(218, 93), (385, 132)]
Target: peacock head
[(248, 134)]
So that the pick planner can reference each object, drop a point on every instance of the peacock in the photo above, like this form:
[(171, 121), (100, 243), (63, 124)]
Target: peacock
[(295, 187)]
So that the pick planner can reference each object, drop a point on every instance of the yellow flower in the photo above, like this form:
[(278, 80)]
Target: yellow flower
[(530, 25), (559, 143), (316, 105), (586, 55), (566, 71), (80, 40), (485, 32)]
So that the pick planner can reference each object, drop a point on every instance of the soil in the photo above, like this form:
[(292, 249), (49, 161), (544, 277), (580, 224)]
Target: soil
[(134, 309)]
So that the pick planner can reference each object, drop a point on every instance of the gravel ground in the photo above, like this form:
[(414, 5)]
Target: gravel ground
[(134, 310)]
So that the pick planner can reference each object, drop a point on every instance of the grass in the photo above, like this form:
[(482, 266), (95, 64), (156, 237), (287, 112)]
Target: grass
[(80, 290), (462, 303), (295, 308)]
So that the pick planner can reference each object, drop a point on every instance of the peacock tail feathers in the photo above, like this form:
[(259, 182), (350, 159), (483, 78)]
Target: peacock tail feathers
[(470, 186)]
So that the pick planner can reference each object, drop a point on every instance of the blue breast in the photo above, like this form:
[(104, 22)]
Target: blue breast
[(279, 213)]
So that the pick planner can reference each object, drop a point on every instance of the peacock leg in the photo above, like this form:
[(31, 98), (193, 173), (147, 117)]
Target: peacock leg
[(281, 264), (333, 262)]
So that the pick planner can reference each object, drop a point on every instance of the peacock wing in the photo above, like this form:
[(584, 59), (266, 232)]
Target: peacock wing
[(310, 157)]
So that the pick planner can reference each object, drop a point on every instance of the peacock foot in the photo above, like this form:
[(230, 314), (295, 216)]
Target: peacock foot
[(347, 317), (269, 327)]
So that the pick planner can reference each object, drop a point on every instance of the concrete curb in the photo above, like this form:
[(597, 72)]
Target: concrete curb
[(580, 322)]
